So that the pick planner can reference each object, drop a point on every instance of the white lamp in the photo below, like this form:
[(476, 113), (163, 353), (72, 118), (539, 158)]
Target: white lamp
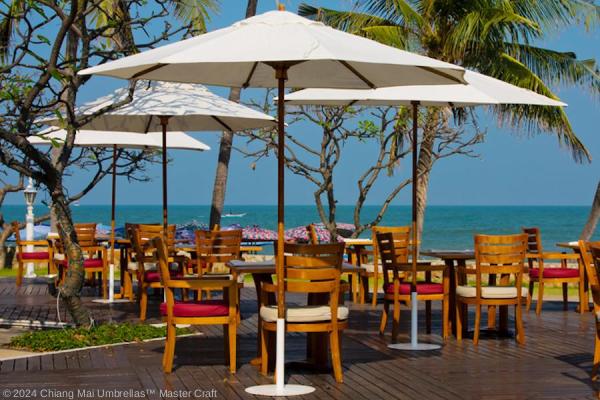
[(30, 193)]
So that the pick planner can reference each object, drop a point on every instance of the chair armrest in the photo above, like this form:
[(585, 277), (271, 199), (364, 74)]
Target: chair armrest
[(43, 243), (93, 248), (268, 287), (199, 283), (560, 256)]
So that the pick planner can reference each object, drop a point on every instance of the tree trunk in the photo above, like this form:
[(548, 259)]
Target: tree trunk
[(6, 232), (590, 225), (222, 173), (70, 290), (424, 165)]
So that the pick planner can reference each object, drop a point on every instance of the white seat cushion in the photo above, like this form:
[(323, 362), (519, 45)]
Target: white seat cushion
[(491, 292), (303, 313), (371, 267)]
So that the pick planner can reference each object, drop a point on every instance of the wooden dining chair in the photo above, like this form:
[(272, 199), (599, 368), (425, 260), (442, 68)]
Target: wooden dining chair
[(374, 269), (36, 256), (590, 257), (542, 274), (147, 272), (502, 255), (314, 270), (393, 249), (95, 256), (209, 312)]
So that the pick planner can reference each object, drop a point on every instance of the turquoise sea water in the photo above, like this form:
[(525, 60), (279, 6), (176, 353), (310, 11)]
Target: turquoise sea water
[(446, 227)]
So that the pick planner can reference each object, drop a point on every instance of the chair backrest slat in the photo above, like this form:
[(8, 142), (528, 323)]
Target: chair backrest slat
[(501, 253), (393, 249), (314, 268), (218, 246)]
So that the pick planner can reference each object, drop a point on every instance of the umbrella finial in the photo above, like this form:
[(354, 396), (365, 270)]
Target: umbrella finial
[(280, 6)]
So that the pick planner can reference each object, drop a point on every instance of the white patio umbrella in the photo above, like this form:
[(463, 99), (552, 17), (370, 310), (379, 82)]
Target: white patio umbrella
[(157, 106), (118, 140), (279, 49), (480, 90)]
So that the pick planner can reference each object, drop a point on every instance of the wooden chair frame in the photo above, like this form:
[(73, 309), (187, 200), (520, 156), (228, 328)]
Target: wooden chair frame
[(502, 255), (590, 257), (86, 237), (538, 255), (315, 270), (393, 249), (21, 249), (229, 322)]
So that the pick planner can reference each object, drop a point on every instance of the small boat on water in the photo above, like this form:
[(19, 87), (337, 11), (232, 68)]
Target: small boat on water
[(233, 215)]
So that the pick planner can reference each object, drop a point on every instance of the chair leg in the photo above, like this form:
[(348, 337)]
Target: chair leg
[(445, 307), (583, 304), (232, 336), (336, 360), (477, 324), (396, 321), (104, 284), (20, 273), (459, 320), (428, 317), (143, 302), (596, 358), (565, 293), (529, 294), (170, 348), (375, 288), (384, 317), (264, 351), (538, 306), (226, 342), (519, 324)]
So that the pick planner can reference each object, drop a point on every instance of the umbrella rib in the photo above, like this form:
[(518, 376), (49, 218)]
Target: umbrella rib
[(442, 74), (358, 74), (148, 124), (147, 70), (223, 124), (247, 83)]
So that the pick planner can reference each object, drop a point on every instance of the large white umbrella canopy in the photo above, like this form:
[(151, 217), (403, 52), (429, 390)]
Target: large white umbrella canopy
[(178, 106), (480, 90), (190, 107), (118, 140), (244, 54), (281, 49)]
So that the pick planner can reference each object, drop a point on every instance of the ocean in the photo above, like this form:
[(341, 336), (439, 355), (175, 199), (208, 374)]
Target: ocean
[(446, 227)]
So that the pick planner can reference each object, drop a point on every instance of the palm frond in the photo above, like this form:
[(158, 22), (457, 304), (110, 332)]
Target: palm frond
[(394, 36), (399, 11), (348, 21), (556, 67), (195, 12)]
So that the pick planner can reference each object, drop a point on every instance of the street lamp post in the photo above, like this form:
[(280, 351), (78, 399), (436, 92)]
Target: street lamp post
[(30, 194)]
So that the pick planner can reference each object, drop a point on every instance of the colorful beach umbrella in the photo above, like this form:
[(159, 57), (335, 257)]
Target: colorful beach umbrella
[(281, 49), (255, 233), (301, 233)]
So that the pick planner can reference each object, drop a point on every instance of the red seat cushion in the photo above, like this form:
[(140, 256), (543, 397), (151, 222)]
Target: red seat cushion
[(89, 263), (154, 276), (206, 308), (35, 255), (555, 273), (422, 288)]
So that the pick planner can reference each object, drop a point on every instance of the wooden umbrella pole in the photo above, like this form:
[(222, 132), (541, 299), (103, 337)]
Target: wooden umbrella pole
[(164, 122), (415, 182), (281, 75), (113, 205)]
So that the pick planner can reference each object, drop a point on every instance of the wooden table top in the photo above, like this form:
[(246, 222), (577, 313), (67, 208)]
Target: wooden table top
[(358, 242), (568, 245), (450, 254), (252, 267)]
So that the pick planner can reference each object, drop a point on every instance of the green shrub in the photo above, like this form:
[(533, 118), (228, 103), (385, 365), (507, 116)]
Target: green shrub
[(74, 338)]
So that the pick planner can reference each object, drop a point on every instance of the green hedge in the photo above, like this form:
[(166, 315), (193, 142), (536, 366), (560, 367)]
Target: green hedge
[(75, 338)]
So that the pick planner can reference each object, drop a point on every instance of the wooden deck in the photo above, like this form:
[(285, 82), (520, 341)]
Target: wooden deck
[(553, 364)]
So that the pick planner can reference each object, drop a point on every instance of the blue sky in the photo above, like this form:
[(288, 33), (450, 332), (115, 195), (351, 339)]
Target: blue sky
[(513, 169)]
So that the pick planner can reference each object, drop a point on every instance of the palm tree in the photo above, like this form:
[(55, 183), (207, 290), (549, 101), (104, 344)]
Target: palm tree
[(495, 37), (193, 12)]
